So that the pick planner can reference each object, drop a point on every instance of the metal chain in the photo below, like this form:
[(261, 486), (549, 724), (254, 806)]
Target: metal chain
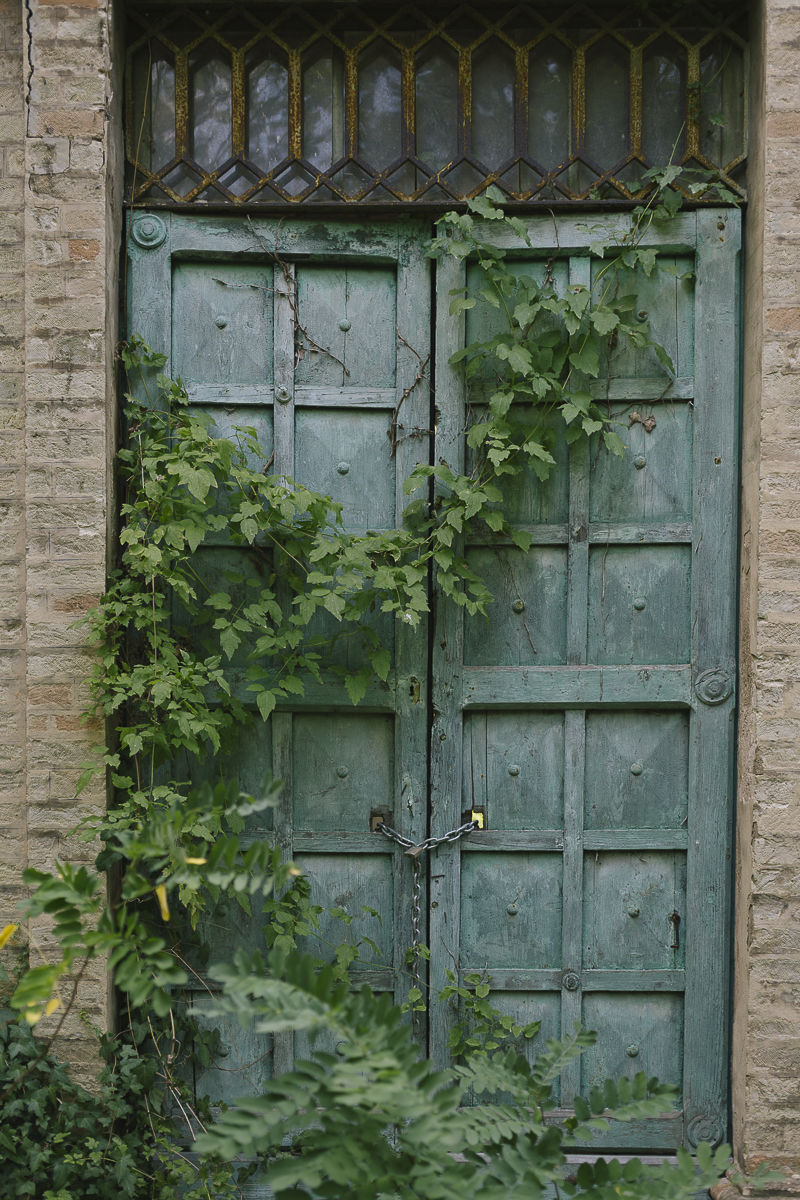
[(414, 850), (416, 916)]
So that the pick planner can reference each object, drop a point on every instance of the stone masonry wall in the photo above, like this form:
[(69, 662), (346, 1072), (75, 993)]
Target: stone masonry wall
[(59, 239), (12, 456), (767, 975)]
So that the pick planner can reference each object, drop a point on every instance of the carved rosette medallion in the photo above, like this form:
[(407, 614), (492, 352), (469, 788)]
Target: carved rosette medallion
[(712, 687), (571, 981), (705, 1129), (149, 231)]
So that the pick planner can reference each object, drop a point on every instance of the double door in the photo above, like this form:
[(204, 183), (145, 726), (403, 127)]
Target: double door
[(589, 719)]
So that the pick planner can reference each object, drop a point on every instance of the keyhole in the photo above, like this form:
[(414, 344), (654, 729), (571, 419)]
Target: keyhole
[(674, 941)]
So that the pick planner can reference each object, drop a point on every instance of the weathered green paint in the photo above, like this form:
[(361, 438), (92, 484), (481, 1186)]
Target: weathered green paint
[(578, 722), (214, 299), (575, 723)]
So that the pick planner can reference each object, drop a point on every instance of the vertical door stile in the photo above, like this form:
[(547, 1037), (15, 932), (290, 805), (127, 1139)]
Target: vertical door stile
[(339, 402), (149, 294), (411, 658), (283, 414), (283, 447), (283, 410), (283, 1043), (715, 453), (575, 738), (448, 656)]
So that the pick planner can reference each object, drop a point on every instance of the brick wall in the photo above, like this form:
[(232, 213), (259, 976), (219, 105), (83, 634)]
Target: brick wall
[(12, 456), (767, 987), (59, 231)]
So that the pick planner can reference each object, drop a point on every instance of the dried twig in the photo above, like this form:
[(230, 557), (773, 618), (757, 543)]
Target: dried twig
[(391, 432), (243, 287), (548, 274), (291, 296)]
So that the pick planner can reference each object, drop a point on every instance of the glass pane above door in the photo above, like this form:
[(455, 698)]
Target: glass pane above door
[(271, 104)]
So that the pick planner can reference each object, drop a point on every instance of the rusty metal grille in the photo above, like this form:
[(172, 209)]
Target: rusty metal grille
[(275, 104)]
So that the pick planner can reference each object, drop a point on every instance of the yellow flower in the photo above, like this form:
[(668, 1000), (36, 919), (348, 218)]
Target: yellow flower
[(7, 933), (197, 862), (161, 893)]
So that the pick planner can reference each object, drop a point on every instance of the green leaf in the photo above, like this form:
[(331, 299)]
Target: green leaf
[(663, 357), (291, 683), (381, 661), (335, 605), (229, 640), (586, 359), (604, 320), (614, 443), (356, 686), (266, 703), (459, 305), (517, 357), (477, 433)]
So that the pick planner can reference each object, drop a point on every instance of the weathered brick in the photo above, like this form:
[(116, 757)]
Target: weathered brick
[(784, 319), (66, 122), (48, 155), (83, 251)]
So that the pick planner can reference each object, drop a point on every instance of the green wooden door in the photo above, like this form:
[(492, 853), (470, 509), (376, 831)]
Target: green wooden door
[(209, 293), (591, 717)]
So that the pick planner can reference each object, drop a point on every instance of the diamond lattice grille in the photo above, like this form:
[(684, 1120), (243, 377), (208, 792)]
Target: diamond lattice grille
[(273, 104)]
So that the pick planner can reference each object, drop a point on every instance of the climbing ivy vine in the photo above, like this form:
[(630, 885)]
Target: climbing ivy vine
[(170, 640), (184, 662), (167, 634)]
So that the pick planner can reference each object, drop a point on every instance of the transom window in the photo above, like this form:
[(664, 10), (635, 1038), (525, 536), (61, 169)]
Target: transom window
[(274, 104)]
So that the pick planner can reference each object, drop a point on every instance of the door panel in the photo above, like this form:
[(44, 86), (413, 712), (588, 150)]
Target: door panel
[(527, 619), (223, 323), (517, 924), (660, 488), (665, 302), (639, 604), (628, 899), (637, 770), (351, 311), (342, 768), (514, 768), (592, 718), (529, 500), (342, 452), (364, 879), (643, 1032)]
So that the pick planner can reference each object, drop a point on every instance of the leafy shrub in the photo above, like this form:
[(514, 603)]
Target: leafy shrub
[(375, 1121), (59, 1142)]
